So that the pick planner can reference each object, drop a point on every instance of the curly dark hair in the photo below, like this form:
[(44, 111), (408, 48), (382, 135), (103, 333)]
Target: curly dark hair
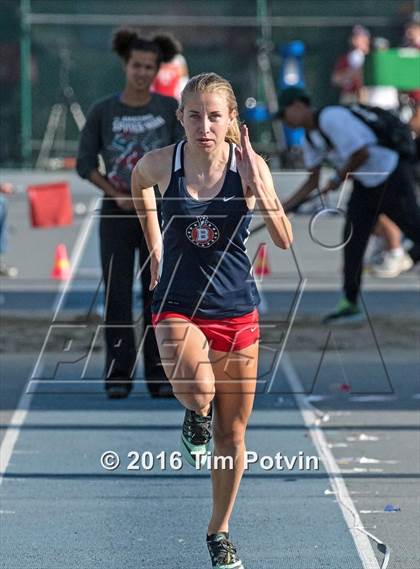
[(125, 40)]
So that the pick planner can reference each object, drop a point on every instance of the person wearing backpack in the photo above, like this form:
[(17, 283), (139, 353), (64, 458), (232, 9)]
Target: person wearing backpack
[(374, 149)]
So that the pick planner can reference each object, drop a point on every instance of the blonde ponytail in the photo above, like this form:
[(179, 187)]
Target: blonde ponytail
[(233, 133)]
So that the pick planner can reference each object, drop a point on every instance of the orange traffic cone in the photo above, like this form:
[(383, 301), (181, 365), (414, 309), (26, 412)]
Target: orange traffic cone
[(261, 266), (61, 268)]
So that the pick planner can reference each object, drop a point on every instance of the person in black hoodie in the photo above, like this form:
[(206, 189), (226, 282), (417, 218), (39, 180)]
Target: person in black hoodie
[(121, 128)]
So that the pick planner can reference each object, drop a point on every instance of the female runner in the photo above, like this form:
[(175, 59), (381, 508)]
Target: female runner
[(204, 308)]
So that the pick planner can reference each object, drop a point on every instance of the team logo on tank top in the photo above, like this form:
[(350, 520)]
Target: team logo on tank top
[(202, 232)]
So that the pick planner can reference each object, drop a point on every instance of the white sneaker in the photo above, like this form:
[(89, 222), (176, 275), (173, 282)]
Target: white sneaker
[(392, 265), (6, 271)]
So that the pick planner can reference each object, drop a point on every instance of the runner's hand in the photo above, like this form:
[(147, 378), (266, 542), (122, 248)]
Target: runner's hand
[(154, 271), (246, 160)]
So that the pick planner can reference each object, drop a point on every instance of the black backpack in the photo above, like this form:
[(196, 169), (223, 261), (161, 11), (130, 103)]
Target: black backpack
[(389, 129)]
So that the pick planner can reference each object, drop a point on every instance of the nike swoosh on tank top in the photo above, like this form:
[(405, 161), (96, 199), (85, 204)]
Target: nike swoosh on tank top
[(206, 271)]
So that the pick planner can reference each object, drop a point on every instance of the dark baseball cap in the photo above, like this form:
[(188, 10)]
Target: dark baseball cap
[(290, 95)]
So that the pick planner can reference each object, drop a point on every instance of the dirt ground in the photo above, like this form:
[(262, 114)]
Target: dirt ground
[(19, 335)]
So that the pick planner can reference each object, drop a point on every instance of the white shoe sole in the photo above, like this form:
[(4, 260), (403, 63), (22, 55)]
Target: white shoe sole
[(238, 565)]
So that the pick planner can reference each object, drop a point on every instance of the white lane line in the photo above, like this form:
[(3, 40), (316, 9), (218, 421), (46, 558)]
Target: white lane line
[(372, 398), (13, 430), (76, 254), (75, 257), (348, 509)]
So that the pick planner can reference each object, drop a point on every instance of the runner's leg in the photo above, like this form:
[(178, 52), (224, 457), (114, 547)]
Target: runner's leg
[(184, 352), (235, 382)]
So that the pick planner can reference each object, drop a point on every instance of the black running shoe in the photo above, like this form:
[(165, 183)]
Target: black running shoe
[(118, 388), (222, 552), (195, 438)]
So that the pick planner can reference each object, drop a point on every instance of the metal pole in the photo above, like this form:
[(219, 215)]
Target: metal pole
[(163, 20), (264, 64), (263, 20), (25, 82)]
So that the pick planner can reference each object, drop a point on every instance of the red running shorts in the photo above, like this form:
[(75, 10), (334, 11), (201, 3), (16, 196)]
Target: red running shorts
[(225, 334)]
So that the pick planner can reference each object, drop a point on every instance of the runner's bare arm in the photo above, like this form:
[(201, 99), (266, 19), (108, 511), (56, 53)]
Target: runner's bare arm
[(268, 203), (256, 178), (143, 179)]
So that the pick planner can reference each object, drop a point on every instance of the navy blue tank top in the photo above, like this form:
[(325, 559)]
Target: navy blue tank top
[(206, 271)]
